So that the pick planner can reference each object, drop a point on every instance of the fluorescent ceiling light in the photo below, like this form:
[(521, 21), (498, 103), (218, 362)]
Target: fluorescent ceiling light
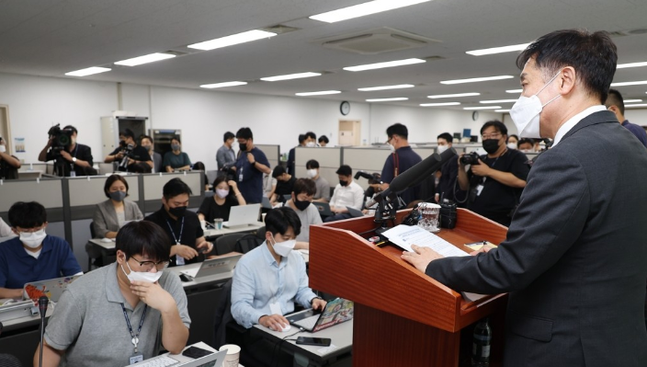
[(387, 99), (636, 105), (381, 65), (440, 104), (145, 59), (499, 101), (498, 50), (476, 80), (482, 108), (222, 85), (625, 84), (633, 100), (631, 65), (234, 39), (459, 95), (290, 76), (319, 93), (385, 87), (502, 111), (515, 91), (360, 10), (88, 71)]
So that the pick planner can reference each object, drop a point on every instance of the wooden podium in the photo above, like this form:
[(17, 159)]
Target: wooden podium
[(402, 316)]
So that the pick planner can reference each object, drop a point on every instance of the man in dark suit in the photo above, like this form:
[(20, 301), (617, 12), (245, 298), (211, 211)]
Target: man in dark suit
[(575, 257)]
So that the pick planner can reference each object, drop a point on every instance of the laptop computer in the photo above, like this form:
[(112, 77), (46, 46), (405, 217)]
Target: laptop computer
[(52, 288), (266, 203), (354, 212), (215, 359), (217, 266), (242, 215), (324, 209), (337, 311)]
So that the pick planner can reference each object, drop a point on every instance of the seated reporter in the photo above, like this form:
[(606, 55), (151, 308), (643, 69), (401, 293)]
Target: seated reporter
[(219, 206), (270, 278), (100, 314), (33, 255), (301, 202), (111, 214)]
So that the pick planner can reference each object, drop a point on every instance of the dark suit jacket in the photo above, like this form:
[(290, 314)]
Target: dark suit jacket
[(575, 257)]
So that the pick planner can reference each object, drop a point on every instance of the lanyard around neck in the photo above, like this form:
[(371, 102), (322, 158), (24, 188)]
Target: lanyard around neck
[(135, 337)]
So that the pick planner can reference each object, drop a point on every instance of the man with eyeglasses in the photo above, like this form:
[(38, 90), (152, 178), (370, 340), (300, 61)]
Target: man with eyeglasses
[(33, 255), (121, 313), (402, 158), (496, 182)]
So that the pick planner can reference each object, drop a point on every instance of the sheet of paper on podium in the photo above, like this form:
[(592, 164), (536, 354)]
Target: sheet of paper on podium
[(404, 236)]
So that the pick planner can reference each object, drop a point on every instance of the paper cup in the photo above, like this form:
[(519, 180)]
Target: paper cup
[(233, 355)]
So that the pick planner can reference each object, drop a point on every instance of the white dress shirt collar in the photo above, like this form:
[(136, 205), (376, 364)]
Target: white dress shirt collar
[(570, 123)]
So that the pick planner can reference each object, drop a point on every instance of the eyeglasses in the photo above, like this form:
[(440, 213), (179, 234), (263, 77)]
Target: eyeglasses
[(491, 136), (149, 265), (29, 230)]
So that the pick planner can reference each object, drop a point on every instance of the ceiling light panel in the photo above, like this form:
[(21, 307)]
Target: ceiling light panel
[(290, 76), (223, 85), (386, 87), (476, 80), (499, 101), (360, 10), (459, 95), (135, 61), (514, 91), (387, 99), (88, 71), (498, 50), (234, 39), (440, 104), (631, 65), (319, 93), (636, 105), (626, 84), (382, 65), (482, 108)]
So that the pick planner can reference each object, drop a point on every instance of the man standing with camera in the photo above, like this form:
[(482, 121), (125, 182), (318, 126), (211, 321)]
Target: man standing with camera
[(129, 153), (72, 159), (495, 180)]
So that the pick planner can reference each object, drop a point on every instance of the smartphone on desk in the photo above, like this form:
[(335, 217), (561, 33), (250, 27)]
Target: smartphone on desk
[(195, 352), (321, 342)]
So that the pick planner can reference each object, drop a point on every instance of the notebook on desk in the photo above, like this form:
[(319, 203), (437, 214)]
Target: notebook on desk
[(217, 266), (336, 311), (52, 288), (243, 215), (324, 208)]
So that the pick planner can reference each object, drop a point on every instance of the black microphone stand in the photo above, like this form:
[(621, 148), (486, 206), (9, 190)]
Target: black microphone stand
[(42, 308)]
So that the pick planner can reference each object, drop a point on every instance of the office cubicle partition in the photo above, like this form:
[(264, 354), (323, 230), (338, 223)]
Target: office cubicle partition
[(272, 152), (329, 161)]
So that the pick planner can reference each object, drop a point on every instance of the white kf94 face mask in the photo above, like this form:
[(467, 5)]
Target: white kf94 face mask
[(525, 113), (142, 276)]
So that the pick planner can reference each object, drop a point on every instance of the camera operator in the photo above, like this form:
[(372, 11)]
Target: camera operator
[(129, 153), (72, 159), (8, 164), (494, 180)]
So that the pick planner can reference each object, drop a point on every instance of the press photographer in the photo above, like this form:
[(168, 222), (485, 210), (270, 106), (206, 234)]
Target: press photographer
[(494, 180), (71, 159), (128, 153)]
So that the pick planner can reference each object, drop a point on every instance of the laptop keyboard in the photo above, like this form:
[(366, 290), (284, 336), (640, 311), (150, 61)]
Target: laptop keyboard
[(159, 361), (308, 322)]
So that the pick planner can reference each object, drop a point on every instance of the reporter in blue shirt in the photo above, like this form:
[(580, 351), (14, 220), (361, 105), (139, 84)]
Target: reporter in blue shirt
[(271, 278), (33, 255)]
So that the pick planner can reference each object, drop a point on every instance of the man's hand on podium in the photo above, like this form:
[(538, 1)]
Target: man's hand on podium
[(421, 257)]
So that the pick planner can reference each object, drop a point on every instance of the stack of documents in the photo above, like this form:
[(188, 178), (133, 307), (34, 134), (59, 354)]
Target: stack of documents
[(404, 236)]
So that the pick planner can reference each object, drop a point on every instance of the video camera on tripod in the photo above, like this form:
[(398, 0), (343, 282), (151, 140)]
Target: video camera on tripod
[(127, 152), (61, 139)]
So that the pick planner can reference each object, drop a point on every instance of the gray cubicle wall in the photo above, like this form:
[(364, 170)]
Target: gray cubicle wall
[(153, 185), (272, 152), (329, 159)]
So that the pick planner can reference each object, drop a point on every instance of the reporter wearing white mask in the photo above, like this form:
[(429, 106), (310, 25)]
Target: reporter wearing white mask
[(33, 255), (323, 187)]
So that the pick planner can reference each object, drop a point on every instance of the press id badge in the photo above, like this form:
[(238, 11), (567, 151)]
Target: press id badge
[(179, 260), (479, 188), (136, 358)]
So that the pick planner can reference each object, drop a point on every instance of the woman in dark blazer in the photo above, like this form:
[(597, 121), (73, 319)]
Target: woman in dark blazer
[(111, 214)]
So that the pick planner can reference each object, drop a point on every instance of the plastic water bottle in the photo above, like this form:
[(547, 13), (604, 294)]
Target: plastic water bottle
[(481, 344)]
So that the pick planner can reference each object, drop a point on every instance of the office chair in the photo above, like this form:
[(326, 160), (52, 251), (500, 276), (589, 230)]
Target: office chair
[(226, 243), (248, 242), (7, 360), (92, 251)]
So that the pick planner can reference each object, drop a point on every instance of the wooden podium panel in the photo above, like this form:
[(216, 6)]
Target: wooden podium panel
[(402, 316)]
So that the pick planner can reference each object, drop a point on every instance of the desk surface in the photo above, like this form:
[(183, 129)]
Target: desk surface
[(192, 269), (237, 229), (340, 334)]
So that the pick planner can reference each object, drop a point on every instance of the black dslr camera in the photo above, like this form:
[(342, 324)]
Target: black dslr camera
[(230, 171), (127, 151), (62, 138), (471, 158)]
